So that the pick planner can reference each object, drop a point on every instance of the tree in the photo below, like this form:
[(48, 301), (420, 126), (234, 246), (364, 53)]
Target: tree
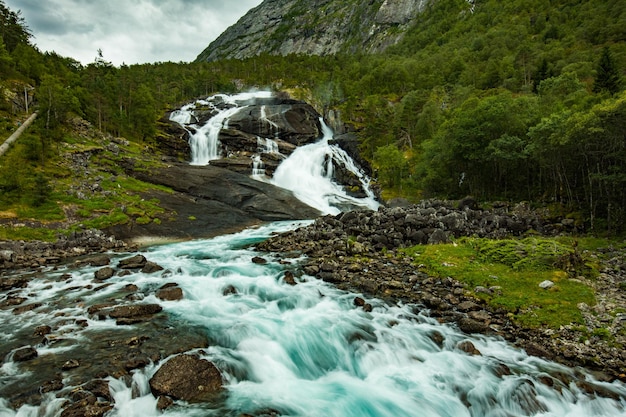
[(607, 74), (13, 29), (391, 165)]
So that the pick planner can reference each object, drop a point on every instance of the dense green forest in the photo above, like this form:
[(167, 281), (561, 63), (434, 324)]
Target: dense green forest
[(515, 101)]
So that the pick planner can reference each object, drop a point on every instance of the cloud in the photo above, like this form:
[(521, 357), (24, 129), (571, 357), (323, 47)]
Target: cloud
[(130, 32)]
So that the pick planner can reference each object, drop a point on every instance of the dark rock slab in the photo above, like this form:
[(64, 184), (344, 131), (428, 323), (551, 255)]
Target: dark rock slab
[(104, 273), (209, 201), (151, 267), (170, 294), (135, 310)]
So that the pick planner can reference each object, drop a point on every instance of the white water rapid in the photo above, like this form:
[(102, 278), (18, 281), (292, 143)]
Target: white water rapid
[(303, 350)]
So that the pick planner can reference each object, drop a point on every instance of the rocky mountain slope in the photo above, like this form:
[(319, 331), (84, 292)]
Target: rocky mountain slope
[(317, 27)]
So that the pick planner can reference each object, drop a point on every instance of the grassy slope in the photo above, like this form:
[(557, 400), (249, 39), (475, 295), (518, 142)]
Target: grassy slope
[(86, 182)]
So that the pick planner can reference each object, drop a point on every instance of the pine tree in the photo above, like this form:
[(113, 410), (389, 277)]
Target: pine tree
[(607, 74)]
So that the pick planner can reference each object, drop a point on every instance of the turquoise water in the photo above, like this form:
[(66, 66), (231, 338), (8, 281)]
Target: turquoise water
[(306, 350)]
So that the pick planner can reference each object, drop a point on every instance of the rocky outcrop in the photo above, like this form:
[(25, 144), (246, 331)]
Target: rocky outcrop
[(317, 27), (391, 228), (293, 121), (288, 123), (208, 201)]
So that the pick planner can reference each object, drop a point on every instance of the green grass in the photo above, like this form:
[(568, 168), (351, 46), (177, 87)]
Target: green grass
[(28, 233), (517, 267)]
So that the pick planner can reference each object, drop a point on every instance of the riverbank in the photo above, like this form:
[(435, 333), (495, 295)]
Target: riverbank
[(361, 251)]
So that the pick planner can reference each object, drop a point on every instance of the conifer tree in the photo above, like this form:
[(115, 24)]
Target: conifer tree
[(607, 74)]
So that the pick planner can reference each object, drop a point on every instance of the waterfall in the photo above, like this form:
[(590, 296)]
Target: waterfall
[(258, 167), (204, 140), (273, 126), (308, 172), (267, 145)]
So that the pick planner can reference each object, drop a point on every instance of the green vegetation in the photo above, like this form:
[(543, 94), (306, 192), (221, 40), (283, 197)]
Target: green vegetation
[(522, 100), (511, 271)]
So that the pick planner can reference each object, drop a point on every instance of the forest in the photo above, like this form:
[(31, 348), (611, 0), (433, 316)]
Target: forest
[(517, 101)]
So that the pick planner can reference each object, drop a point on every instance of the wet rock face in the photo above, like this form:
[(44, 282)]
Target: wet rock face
[(293, 121), (187, 378)]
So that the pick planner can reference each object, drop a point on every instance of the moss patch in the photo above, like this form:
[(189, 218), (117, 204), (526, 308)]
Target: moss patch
[(513, 270)]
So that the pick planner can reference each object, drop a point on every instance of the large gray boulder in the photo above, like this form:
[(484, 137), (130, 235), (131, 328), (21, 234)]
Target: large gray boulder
[(187, 378)]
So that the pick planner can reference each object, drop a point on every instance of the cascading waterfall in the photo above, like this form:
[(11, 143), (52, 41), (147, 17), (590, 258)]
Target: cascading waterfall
[(204, 140), (273, 126), (264, 146), (307, 350), (308, 172)]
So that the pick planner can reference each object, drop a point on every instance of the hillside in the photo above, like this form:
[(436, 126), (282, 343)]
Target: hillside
[(522, 101), (317, 27)]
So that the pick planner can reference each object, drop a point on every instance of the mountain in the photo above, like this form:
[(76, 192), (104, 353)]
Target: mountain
[(315, 27)]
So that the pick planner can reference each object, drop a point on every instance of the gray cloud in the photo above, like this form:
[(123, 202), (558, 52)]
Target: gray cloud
[(130, 32)]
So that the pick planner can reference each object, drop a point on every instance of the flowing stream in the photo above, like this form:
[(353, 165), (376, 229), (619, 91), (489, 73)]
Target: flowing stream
[(307, 350)]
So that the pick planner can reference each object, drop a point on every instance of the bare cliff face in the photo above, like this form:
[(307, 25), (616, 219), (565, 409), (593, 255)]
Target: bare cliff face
[(315, 27)]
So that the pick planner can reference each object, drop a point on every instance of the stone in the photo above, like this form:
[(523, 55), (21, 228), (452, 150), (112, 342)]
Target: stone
[(24, 354), (259, 261), (229, 290), (7, 256), (42, 330), (470, 326), (70, 364), (164, 402), (86, 409), (133, 311), (170, 294), (289, 278), (151, 267), (438, 236), (187, 378), (469, 348), (100, 260), (546, 285), (104, 273), (135, 262), (468, 306)]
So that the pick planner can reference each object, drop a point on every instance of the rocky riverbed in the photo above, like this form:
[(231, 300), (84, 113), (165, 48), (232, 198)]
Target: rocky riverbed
[(354, 251)]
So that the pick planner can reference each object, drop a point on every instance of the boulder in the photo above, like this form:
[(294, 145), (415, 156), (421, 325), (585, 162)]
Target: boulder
[(170, 293), (187, 378), (293, 121), (104, 273), (25, 354), (134, 262), (151, 267), (136, 310)]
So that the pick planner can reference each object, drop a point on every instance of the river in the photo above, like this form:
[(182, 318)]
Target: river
[(305, 350)]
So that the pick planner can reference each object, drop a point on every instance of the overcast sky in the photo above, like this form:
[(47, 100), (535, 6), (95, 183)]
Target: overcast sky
[(129, 31)]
